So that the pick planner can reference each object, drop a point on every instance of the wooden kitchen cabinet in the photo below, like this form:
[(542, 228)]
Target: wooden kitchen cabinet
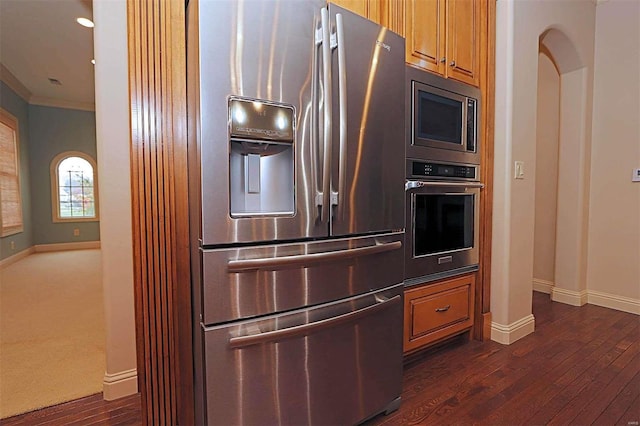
[(388, 13), (370, 9), (437, 310), (443, 36)]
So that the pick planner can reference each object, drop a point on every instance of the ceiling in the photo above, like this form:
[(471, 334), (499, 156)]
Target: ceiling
[(39, 40)]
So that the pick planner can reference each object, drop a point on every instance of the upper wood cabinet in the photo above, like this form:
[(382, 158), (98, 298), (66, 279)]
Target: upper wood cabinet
[(425, 38), (443, 36), (388, 13), (463, 40), (368, 8)]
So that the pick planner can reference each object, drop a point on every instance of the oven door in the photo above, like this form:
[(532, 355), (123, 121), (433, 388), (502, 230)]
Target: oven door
[(442, 228)]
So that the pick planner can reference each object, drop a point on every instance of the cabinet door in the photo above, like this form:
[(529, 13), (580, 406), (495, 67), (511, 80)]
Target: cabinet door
[(425, 34), (388, 13), (361, 7), (392, 15), (463, 40)]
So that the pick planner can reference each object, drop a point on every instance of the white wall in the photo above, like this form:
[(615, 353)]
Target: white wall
[(613, 273), (519, 25), (547, 138), (112, 129)]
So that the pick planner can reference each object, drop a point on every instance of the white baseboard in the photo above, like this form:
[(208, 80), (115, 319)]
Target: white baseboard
[(569, 297), (83, 245), (507, 334), (620, 303), (120, 384), (14, 258), (543, 286)]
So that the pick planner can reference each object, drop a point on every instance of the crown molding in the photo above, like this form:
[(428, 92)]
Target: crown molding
[(14, 84), (59, 103)]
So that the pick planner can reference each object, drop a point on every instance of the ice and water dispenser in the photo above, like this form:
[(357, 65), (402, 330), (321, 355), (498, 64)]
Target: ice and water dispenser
[(261, 161)]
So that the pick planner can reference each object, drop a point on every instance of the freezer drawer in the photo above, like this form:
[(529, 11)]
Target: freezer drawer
[(246, 282), (334, 364)]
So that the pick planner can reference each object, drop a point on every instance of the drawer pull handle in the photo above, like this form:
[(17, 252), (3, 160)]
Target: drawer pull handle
[(446, 308)]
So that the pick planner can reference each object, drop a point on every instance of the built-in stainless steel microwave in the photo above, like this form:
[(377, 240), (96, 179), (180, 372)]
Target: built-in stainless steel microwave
[(443, 118)]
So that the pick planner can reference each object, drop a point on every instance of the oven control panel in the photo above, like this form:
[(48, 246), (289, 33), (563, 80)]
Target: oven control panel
[(444, 171)]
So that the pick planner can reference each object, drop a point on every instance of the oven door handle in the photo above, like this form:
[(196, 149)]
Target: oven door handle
[(304, 260), (413, 184), (306, 329)]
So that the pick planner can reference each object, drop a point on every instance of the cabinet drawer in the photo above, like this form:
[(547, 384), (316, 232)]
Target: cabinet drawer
[(435, 311), (438, 310)]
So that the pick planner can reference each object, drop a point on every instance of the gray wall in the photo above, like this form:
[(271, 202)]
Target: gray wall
[(44, 133), (52, 131), (18, 107)]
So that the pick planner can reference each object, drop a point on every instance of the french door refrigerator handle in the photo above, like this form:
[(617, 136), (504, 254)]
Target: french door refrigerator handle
[(326, 75), (303, 260), (314, 112), (301, 330), (342, 90)]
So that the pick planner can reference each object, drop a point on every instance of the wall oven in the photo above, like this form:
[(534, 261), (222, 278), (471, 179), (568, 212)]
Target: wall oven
[(443, 120), (442, 207)]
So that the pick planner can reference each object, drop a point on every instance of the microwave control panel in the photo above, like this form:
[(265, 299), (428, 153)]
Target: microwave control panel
[(446, 171)]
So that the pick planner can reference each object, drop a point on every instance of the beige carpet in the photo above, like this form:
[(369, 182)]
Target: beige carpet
[(52, 332)]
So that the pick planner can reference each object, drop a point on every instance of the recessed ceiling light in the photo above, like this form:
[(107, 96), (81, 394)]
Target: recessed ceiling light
[(85, 22), (93, 61)]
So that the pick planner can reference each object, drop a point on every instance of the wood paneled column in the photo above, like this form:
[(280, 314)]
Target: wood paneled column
[(157, 76), (482, 330)]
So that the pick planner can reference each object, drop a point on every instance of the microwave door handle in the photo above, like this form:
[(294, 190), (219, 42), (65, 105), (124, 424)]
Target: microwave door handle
[(342, 90), (326, 74), (463, 142)]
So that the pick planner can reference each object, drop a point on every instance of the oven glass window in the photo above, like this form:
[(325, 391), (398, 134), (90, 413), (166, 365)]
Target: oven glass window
[(439, 118), (443, 222)]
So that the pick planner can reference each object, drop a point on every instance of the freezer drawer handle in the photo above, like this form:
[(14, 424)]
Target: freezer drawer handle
[(306, 329), (302, 260)]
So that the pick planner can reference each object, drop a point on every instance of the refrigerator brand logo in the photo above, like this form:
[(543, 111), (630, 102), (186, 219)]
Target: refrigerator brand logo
[(384, 46), (266, 132)]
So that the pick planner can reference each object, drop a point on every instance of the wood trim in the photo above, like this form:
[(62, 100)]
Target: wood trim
[(487, 88), (486, 325), (160, 204)]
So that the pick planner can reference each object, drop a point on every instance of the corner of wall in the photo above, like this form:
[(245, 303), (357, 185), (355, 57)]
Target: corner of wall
[(508, 334), (543, 286), (569, 297), (120, 384)]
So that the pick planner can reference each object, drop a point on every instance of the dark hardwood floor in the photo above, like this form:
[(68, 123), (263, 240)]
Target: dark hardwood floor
[(91, 410), (580, 367)]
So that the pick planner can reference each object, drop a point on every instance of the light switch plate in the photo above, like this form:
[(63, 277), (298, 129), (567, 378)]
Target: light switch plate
[(518, 170), (636, 175)]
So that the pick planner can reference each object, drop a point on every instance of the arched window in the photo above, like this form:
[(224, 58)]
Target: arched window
[(74, 189)]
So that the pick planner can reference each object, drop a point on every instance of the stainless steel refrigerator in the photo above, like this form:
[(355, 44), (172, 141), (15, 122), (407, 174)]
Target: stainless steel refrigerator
[(296, 176)]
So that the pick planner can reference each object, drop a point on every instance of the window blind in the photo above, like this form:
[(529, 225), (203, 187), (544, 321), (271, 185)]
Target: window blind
[(10, 200)]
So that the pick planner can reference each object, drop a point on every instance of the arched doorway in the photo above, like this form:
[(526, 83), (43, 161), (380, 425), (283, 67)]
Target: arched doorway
[(568, 264)]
